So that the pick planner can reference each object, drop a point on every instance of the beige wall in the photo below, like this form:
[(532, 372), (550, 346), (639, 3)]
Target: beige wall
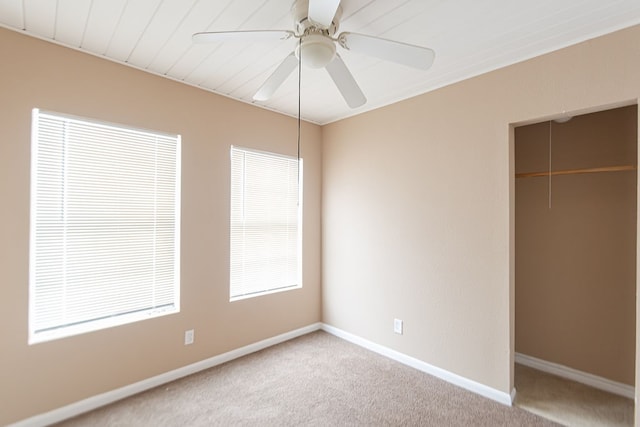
[(38, 378), (418, 215), (576, 260), (418, 205)]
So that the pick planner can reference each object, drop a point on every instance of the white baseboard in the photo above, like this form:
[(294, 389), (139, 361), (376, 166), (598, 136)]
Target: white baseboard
[(575, 375), (473, 386), (103, 399)]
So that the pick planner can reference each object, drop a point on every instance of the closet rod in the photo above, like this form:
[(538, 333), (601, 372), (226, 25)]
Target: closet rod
[(577, 171)]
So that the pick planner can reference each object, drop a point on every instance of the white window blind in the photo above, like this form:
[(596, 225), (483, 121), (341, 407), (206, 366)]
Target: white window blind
[(105, 216), (266, 223)]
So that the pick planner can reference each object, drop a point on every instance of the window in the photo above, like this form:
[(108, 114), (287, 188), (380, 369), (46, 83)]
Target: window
[(266, 223), (105, 216)]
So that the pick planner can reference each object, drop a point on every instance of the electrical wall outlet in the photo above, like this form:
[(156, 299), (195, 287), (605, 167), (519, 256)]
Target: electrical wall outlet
[(397, 326), (189, 337)]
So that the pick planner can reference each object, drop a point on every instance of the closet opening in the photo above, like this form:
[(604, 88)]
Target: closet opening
[(575, 267)]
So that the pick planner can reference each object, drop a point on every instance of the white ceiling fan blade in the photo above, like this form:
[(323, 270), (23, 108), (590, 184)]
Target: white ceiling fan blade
[(242, 36), (347, 85), (322, 11), (276, 79), (389, 50)]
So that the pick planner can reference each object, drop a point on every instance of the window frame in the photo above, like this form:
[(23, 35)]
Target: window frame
[(89, 325), (299, 224)]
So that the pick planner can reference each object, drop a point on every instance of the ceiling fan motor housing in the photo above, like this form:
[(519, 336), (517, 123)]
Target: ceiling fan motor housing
[(300, 14), (316, 48)]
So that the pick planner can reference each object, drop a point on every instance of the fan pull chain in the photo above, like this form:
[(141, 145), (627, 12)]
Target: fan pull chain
[(550, 164), (299, 110)]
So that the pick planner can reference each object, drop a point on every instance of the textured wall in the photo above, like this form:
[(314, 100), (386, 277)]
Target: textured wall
[(418, 205), (576, 260), (38, 378)]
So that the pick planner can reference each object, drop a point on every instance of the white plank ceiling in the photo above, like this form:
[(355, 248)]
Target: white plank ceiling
[(470, 37)]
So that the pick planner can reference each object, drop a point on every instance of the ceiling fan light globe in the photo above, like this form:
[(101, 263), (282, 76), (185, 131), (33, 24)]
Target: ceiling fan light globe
[(317, 51)]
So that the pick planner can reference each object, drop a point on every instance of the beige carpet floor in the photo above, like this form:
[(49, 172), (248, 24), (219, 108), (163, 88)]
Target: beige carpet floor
[(314, 380), (568, 402)]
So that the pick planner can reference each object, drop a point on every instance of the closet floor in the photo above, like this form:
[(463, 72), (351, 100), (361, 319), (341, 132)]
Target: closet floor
[(568, 402)]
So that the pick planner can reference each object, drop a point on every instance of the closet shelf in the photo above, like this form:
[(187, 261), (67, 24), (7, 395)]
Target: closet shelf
[(577, 171)]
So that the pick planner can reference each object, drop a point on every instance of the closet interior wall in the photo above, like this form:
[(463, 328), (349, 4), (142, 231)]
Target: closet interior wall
[(576, 242)]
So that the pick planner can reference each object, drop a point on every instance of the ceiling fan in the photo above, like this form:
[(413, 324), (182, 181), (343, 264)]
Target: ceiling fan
[(316, 23)]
